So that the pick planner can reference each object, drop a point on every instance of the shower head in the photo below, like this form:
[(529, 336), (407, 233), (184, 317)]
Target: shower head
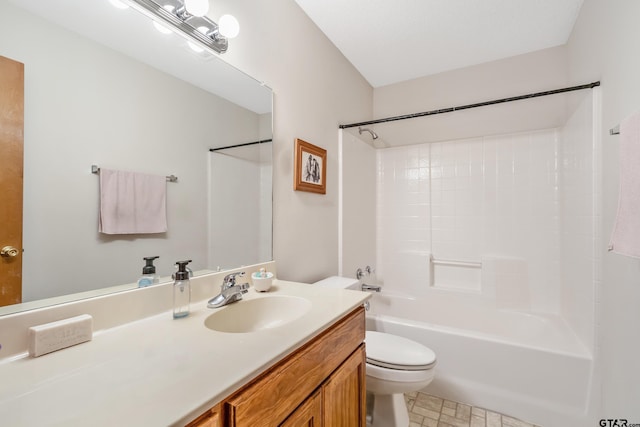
[(373, 134)]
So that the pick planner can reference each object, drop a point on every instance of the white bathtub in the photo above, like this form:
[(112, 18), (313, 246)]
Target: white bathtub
[(524, 365)]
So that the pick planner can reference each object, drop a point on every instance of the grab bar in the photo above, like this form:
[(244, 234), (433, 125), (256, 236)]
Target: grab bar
[(456, 263)]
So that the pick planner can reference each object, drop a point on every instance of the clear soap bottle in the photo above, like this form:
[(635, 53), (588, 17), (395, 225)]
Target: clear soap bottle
[(181, 291), (149, 276)]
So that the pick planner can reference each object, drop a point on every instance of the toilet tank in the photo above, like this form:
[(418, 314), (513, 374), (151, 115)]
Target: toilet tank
[(339, 282)]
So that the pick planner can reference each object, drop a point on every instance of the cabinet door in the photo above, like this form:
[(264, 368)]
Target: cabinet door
[(272, 397), (211, 418), (344, 395), (309, 414)]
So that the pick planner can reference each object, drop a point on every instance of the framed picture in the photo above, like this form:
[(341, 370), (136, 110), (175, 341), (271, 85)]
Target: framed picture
[(310, 170)]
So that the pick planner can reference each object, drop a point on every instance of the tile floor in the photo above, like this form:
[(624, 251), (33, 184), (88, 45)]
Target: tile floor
[(431, 411)]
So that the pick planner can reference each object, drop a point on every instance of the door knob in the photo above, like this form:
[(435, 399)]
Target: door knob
[(9, 252)]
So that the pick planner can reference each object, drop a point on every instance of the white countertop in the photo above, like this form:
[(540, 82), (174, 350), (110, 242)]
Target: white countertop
[(158, 371)]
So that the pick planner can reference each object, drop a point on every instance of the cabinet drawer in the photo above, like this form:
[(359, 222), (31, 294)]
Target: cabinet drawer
[(269, 399)]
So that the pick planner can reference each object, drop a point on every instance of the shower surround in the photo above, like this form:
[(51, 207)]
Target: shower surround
[(495, 230)]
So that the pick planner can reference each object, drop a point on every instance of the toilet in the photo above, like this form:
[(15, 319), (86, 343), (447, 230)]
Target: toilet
[(395, 365)]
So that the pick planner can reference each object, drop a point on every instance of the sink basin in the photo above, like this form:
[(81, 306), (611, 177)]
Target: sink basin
[(257, 314)]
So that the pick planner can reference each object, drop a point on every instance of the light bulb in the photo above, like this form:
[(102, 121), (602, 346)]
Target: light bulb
[(229, 26), (197, 7)]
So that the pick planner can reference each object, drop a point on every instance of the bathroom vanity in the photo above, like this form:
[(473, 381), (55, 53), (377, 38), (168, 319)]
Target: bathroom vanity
[(156, 371), (323, 380)]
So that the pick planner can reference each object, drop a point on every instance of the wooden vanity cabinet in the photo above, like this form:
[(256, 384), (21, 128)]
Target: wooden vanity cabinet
[(308, 414), (320, 384), (211, 418), (338, 402)]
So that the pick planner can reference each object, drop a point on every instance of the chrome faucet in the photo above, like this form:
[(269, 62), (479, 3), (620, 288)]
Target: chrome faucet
[(230, 291), (370, 288)]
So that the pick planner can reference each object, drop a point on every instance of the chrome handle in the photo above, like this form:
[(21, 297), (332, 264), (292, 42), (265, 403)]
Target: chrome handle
[(360, 273), (9, 252), (230, 280)]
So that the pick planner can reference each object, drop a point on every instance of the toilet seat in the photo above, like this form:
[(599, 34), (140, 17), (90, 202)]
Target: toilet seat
[(397, 353)]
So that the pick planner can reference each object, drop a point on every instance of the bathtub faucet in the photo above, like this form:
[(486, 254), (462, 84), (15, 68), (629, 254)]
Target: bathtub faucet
[(371, 288)]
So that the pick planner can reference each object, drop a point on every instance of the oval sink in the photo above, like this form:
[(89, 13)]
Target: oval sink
[(257, 314)]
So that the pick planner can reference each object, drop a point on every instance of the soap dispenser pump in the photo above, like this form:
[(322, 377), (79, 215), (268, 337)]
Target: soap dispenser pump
[(181, 291), (149, 276)]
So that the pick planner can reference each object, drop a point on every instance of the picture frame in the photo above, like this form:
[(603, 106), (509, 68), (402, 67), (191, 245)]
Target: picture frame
[(310, 168)]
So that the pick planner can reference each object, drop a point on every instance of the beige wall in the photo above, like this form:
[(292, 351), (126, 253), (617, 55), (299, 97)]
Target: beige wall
[(522, 74), (604, 45), (315, 89), (519, 75)]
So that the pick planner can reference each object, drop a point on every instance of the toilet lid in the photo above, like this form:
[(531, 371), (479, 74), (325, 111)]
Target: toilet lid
[(394, 352)]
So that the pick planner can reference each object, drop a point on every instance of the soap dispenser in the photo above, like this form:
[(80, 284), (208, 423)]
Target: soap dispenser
[(181, 291), (149, 276)]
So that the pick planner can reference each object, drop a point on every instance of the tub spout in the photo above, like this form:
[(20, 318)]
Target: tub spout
[(371, 288)]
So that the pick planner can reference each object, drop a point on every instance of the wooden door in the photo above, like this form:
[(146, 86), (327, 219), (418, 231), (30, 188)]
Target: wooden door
[(11, 167), (308, 414), (344, 393)]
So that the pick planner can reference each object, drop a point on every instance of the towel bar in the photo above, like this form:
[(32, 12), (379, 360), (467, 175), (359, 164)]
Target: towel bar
[(615, 130), (96, 170)]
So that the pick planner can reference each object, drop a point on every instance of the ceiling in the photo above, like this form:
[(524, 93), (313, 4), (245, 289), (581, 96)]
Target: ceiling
[(390, 41)]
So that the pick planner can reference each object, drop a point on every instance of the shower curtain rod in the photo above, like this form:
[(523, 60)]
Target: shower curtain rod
[(241, 145), (468, 106)]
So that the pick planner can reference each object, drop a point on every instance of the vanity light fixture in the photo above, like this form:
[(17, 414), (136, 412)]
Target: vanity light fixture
[(229, 26), (187, 17)]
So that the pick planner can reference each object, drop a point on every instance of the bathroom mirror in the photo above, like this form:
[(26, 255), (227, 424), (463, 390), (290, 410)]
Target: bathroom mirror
[(104, 87)]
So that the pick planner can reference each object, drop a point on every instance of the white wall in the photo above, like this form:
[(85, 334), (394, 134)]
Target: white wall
[(487, 199), (315, 89), (239, 227), (580, 232), (134, 127), (603, 46)]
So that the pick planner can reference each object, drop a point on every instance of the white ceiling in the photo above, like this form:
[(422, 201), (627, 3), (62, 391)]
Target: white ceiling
[(390, 41)]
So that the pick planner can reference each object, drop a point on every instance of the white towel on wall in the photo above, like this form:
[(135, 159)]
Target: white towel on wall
[(625, 238), (132, 203)]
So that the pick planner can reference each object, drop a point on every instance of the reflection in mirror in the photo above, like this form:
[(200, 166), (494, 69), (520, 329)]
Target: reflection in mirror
[(130, 98)]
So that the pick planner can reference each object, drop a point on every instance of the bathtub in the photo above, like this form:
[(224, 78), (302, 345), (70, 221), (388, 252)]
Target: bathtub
[(531, 367)]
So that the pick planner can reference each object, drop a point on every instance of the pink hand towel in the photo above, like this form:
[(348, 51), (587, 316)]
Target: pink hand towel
[(625, 238), (132, 203)]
